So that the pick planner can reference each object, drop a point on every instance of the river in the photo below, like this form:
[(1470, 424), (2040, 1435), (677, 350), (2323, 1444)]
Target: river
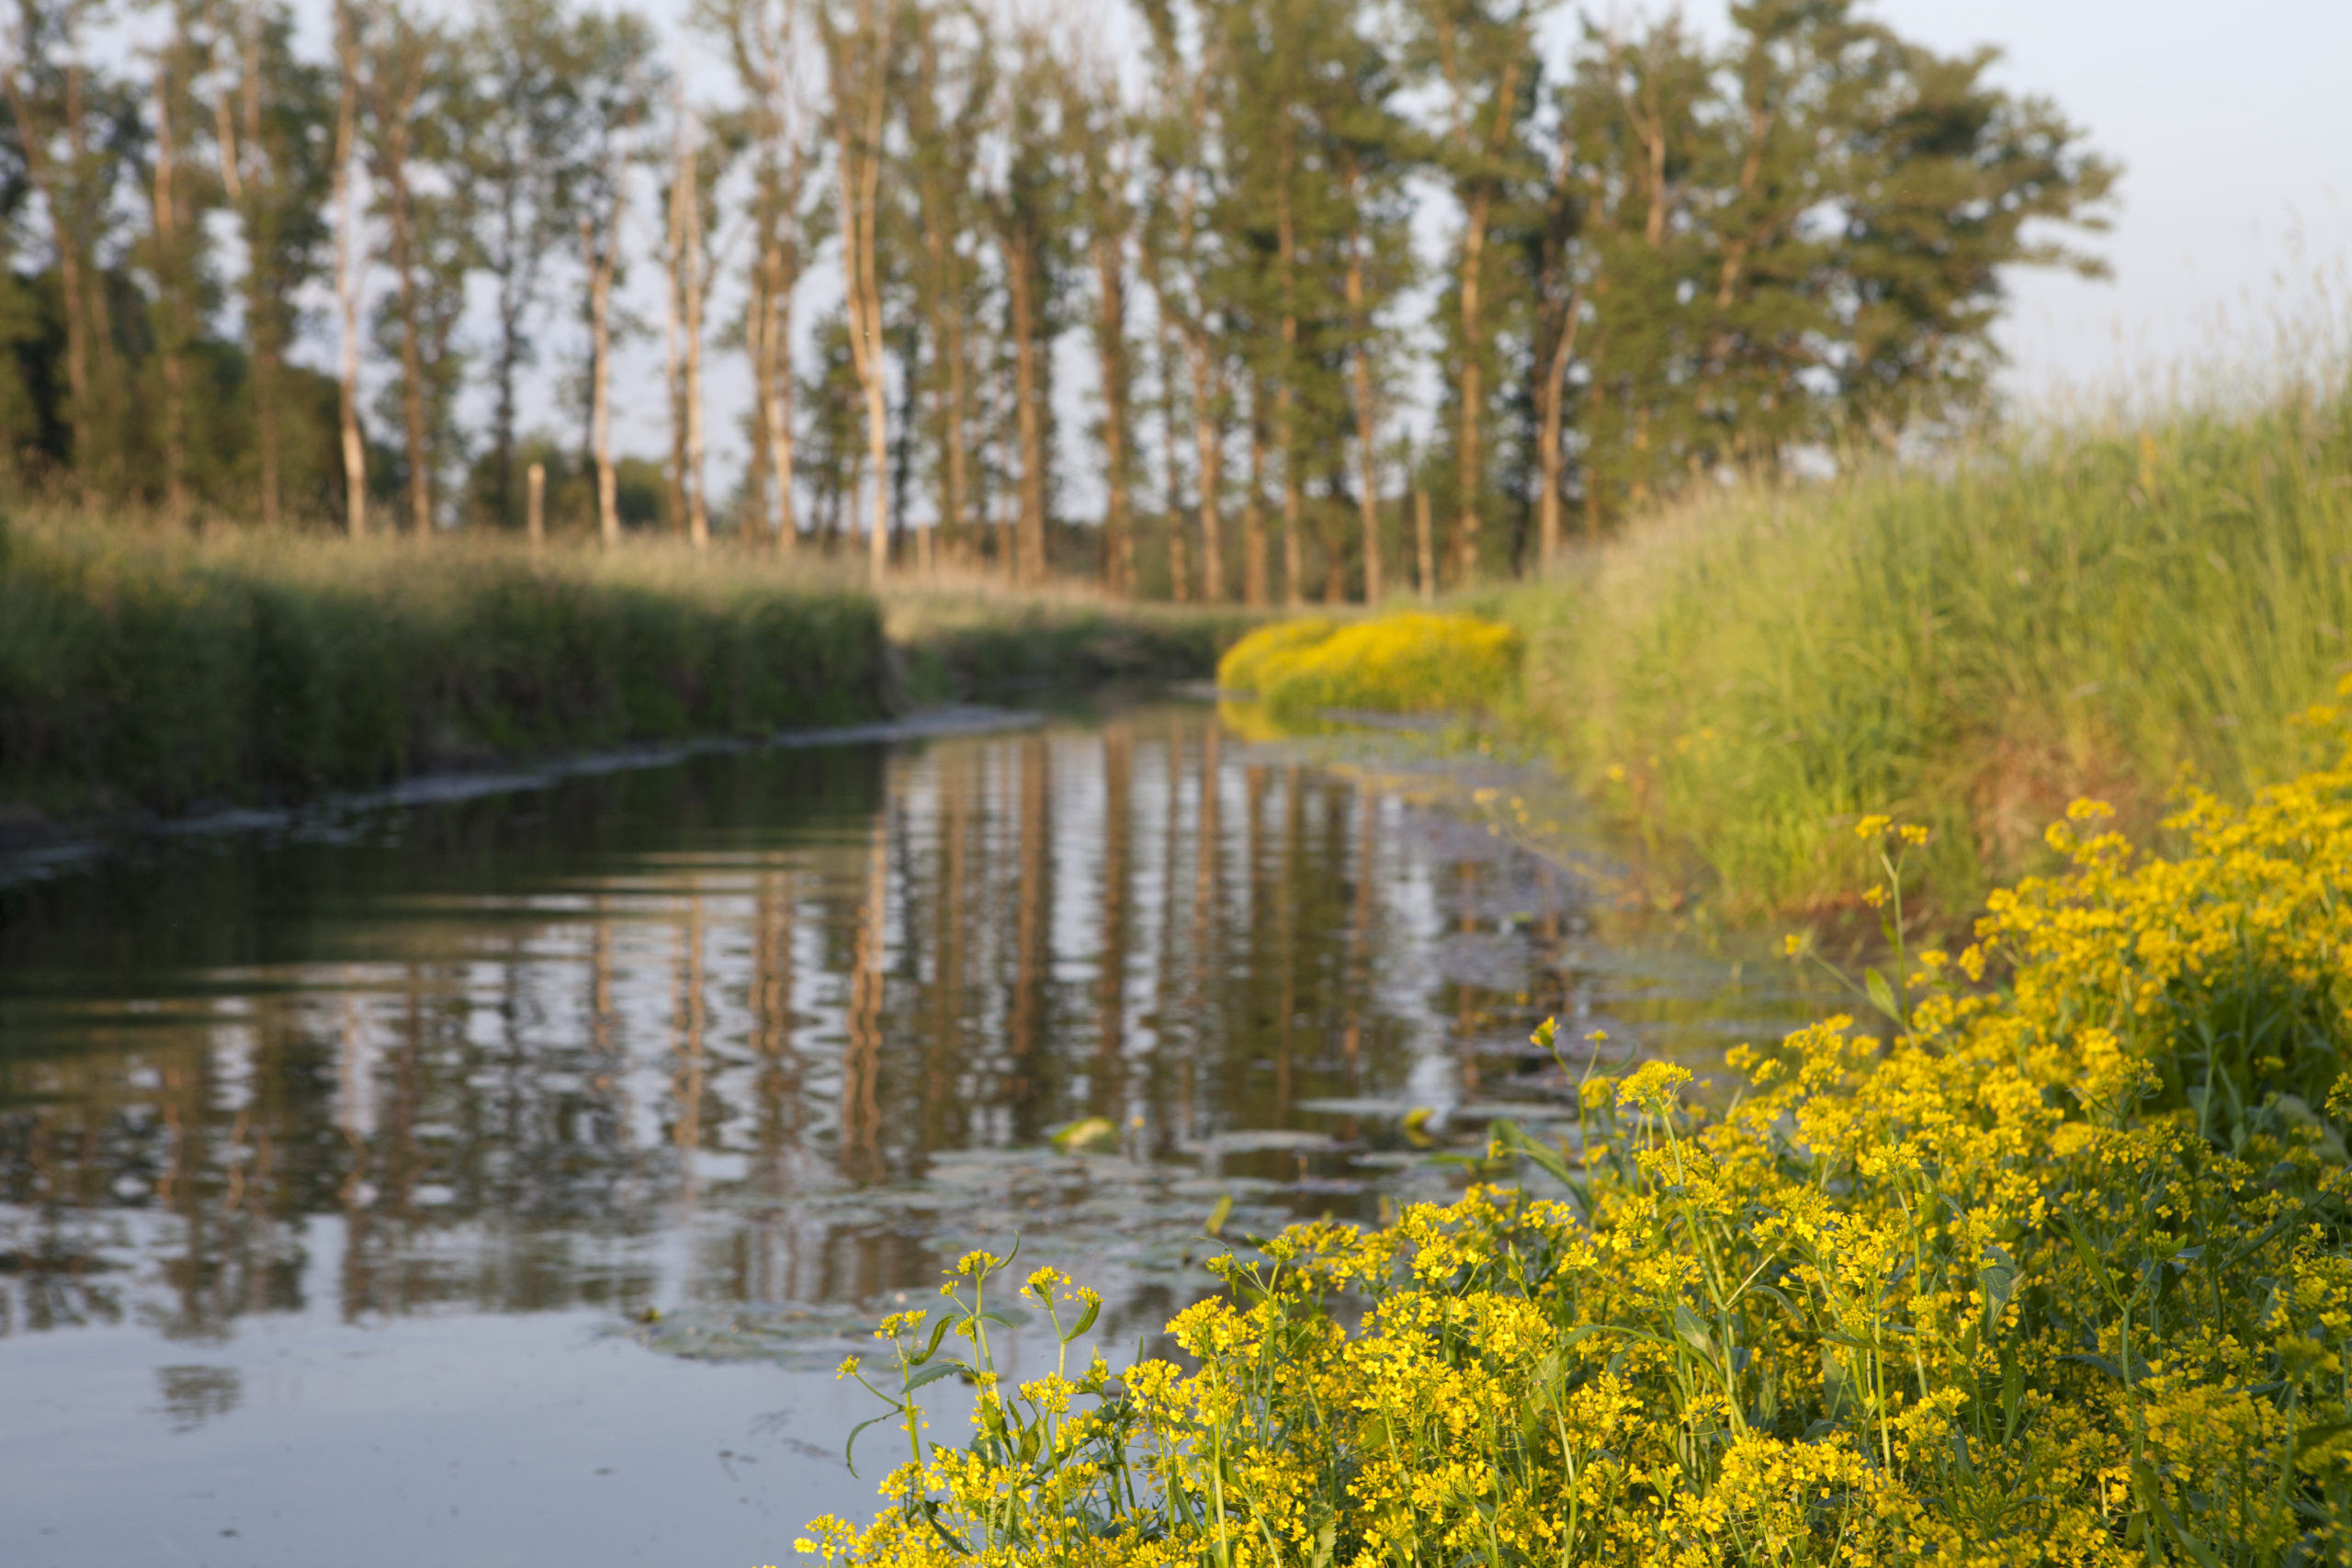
[(498, 1179)]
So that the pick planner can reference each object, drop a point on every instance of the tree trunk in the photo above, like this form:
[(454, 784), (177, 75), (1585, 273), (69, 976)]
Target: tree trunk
[(1428, 545), (778, 372), (1111, 330), (698, 504), (1206, 446), (1253, 505), (1293, 544), (600, 374), (1367, 484), (1551, 396), (420, 474), (261, 318), (1020, 279), (1470, 474), (1179, 570), (346, 278), (674, 242), (860, 105), (172, 298)]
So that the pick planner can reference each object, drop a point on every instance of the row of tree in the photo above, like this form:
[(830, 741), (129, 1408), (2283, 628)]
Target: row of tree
[(1662, 260)]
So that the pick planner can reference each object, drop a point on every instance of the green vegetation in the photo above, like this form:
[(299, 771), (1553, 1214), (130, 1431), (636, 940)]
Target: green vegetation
[(139, 670), (2061, 1273), (1638, 285), (1409, 663), (978, 639), (1971, 646), (143, 670)]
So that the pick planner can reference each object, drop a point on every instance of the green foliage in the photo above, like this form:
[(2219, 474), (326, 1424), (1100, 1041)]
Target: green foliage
[(960, 644), (138, 671), (1972, 647)]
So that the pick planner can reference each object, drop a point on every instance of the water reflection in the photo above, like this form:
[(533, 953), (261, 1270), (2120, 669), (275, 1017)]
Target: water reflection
[(758, 1039)]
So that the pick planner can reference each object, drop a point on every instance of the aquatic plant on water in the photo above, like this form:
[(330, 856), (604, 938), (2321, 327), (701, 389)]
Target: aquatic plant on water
[(2052, 1265)]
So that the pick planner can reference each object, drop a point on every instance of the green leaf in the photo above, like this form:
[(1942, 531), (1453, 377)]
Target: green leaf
[(1214, 1224), (1509, 1138), (1085, 1321), (938, 1332), (1882, 994), (848, 1448), (932, 1374)]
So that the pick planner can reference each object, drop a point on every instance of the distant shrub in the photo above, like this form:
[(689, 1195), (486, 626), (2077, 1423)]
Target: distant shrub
[(1414, 662), (1244, 663)]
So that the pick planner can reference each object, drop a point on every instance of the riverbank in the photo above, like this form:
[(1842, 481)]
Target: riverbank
[(145, 674), (1969, 646)]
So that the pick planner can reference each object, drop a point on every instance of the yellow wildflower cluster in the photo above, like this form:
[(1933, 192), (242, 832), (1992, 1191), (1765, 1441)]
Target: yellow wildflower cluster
[(2055, 1271), (1411, 663)]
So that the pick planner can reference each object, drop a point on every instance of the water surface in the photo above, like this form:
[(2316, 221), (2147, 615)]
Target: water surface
[(342, 1167)]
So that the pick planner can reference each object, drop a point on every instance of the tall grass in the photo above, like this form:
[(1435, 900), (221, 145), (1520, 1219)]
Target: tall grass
[(1971, 646), (141, 668)]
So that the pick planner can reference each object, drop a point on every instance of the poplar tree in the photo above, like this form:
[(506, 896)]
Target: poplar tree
[(58, 105), (525, 110), (1097, 128), (175, 252), (271, 135), (1478, 57), (762, 39), (951, 101), (409, 143), (861, 41), (618, 77), (1027, 208)]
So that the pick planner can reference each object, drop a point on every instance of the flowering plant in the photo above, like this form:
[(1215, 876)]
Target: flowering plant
[(2052, 1269)]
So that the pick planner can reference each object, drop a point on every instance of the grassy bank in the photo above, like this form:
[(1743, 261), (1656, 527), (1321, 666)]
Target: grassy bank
[(2057, 1274), (1971, 648), (143, 671), (974, 638)]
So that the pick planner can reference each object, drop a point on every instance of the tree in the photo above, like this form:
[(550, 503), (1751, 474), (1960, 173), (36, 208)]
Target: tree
[(1801, 233), (524, 114), (1179, 260), (409, 145), (1480, 57), (50, 89), (349, 253), (1097, 128), (697, 162), (615, 72), (1027, 208), (861, 54), (273, 167), (762, 43), (949, 103), (174, 248)]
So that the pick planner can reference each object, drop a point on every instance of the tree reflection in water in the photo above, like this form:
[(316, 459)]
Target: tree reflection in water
[(780, 1028)]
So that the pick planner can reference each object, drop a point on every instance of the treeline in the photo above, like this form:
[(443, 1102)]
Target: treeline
[(1663, 259)]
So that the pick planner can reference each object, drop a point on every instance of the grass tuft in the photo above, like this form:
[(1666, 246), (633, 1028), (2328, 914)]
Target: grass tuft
[(1972, 647)]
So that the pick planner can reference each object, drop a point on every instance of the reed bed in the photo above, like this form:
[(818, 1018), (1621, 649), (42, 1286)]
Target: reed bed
[(2103, 610), (143, 669)]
